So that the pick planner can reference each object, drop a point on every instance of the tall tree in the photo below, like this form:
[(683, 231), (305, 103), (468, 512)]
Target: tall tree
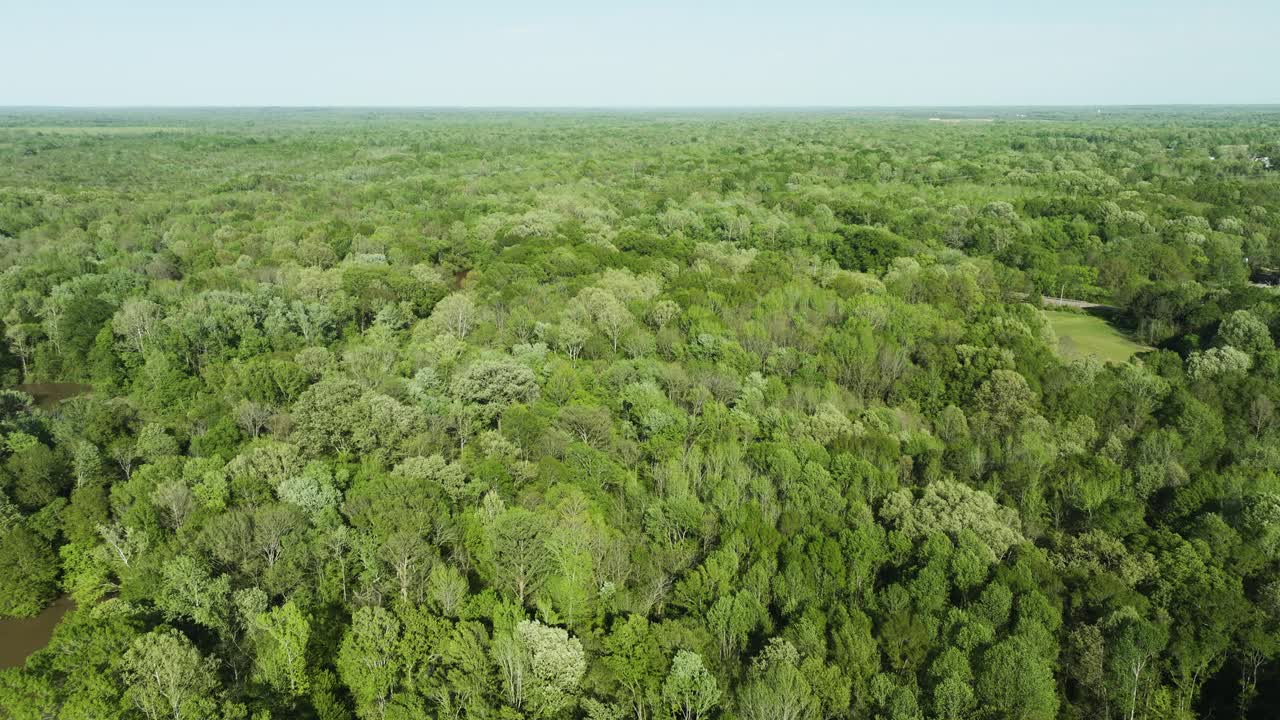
[(168, 677)]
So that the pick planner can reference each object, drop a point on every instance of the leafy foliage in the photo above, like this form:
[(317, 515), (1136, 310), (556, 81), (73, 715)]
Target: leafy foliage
[(406, 414)]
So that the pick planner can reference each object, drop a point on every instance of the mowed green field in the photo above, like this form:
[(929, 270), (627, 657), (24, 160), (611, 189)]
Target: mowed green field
[(1080, 334)]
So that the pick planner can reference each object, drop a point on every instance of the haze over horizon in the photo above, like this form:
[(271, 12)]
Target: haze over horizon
[(574, 54)]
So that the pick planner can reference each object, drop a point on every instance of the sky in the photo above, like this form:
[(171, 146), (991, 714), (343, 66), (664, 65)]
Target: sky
[(597, 53)]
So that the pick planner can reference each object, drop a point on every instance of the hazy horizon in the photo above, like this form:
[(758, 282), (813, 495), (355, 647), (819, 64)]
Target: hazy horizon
[(574, 54), (763, 108)]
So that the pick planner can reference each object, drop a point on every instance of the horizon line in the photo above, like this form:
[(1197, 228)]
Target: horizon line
[(920, 106)]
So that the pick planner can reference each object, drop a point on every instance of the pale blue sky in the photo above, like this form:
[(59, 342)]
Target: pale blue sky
[(656, 53)]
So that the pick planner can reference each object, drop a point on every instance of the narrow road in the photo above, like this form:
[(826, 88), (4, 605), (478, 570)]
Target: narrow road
[(1069, 303), (1077, 304)]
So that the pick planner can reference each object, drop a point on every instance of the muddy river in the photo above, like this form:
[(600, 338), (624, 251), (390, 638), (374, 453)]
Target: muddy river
[(48, 395), (19, 637)]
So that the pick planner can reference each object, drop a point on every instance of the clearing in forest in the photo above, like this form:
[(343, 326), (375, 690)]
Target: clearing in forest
[(1080, 334)]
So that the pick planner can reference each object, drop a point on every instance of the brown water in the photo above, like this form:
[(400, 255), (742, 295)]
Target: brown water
[(19, 637), (48, 395)]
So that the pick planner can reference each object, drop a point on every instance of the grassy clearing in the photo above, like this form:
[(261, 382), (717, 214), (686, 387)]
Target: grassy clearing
[(1080, 334)]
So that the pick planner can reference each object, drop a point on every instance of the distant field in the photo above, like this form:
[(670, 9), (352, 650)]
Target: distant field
[(94, 129), (1080, 334)]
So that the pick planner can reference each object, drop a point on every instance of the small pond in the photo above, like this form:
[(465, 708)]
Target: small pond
[(19, 637)]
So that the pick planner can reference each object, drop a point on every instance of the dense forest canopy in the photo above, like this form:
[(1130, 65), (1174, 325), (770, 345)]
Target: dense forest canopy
[(688, 415)]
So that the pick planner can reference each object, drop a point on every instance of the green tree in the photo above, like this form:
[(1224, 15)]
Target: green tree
[(367, 661), (167, 677), (556, 666), (1016, 682), (494, 384), (455, 313), (690, 691), (1133, 642), (1244, 331), (635, 660), (28, 572), (777, 689), (520, 552), (188, 590), (282, 649)]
